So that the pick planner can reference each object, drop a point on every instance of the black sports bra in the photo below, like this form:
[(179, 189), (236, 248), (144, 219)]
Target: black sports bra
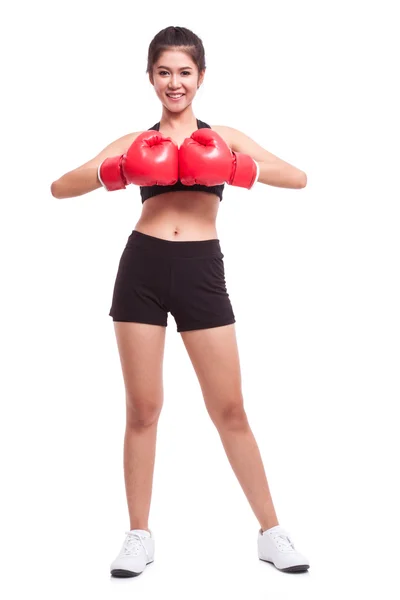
[(154, 190)]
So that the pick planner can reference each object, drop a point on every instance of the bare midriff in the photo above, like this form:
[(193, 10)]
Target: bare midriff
[(180, 216)]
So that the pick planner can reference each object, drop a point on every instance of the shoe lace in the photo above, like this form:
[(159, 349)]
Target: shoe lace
[(284, 542), (133, 544)]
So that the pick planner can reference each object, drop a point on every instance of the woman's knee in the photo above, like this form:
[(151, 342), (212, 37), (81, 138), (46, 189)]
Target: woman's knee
[(230, 415), (142, 413)]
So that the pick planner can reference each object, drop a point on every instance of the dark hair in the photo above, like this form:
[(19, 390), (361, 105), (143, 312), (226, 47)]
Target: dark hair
[(176, 38)]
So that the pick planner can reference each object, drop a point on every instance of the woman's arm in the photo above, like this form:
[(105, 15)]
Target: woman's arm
[(273, 170), (84, 179)]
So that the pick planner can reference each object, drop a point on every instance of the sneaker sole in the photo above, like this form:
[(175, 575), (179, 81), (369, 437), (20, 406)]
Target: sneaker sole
[(295, 569), (125, 573)]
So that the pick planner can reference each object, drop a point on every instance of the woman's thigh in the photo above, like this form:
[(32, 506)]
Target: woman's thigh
[(141, 351), (215, 357)]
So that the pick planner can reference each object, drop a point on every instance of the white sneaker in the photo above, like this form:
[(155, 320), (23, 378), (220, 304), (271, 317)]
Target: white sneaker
[(276, 547), (137, 551)]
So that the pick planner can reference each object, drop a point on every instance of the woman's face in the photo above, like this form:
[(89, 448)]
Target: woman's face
[(175, 73)]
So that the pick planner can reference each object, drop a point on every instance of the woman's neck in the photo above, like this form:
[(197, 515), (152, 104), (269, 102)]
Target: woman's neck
[(178, 121)]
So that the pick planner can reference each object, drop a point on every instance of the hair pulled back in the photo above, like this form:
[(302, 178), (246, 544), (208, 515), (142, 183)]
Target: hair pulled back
[(176, 38)]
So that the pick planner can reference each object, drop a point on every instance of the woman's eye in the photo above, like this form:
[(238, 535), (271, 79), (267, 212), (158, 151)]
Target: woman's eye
[(162, 72)]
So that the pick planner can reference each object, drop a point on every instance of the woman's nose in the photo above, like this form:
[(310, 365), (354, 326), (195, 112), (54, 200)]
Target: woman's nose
[(174, 82)]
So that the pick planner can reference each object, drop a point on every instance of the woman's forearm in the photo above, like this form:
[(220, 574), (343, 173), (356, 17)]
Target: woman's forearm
[(76, 183), (281, 175)]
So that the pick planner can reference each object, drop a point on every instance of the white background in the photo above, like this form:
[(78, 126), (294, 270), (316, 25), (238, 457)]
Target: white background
[(313, 276)]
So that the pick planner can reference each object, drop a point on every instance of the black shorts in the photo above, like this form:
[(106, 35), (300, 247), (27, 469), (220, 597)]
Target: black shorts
[(157, 276)]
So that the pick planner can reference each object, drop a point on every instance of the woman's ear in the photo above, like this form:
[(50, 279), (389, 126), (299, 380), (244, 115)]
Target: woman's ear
[(201, 77)]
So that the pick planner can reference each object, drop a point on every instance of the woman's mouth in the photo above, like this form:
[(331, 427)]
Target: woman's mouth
[(175, 97)]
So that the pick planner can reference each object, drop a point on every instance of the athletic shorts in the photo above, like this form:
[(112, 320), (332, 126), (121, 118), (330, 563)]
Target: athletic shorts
[(187, 279)]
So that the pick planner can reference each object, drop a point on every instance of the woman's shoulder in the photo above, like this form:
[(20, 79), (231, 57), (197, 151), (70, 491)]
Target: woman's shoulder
[(227, 133)]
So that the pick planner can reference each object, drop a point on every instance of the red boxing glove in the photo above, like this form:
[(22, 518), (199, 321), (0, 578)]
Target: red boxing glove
[(206, 159), (152, 159)]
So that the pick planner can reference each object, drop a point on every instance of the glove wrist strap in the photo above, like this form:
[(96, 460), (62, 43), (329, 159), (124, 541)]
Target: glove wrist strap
[(245, 170), (110, 174)]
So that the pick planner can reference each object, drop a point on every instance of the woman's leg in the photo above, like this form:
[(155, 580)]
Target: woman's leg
[(141, 351), (215, 358)]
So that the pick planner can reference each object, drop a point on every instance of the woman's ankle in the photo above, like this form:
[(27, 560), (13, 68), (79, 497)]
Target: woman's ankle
[(138, 527)]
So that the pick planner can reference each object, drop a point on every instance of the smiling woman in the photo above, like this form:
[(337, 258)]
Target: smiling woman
[(173, 263), (172, 76)]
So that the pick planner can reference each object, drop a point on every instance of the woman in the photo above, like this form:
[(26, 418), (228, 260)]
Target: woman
[(173, 263)]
